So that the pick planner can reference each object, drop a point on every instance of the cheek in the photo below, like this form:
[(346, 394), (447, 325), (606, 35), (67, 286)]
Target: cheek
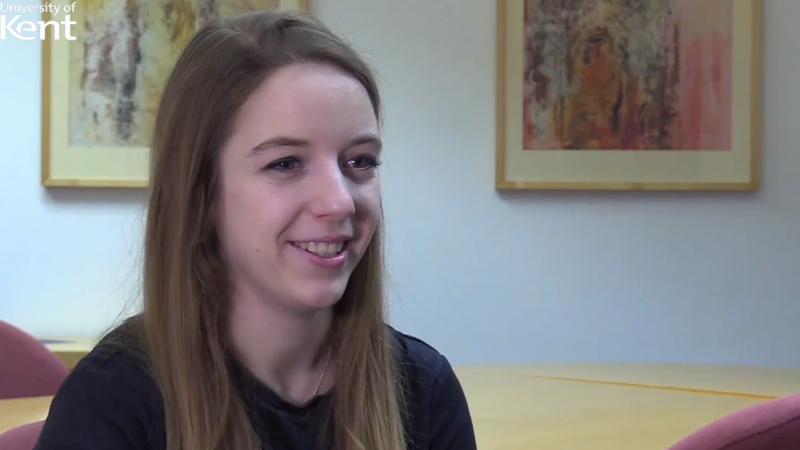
[(250, 220), (368, 203)]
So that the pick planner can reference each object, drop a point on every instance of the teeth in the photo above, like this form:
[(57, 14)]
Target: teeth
[(323, 249)]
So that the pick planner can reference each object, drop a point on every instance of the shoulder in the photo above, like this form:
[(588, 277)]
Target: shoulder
[(109, 400), (437, 408), (418, 356), (427, 372), (115, 368), (118, 360)]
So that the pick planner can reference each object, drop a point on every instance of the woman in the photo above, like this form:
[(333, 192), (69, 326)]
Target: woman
[(263, 322)]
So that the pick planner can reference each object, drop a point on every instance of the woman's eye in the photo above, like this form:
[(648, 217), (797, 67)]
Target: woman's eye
[(283, 165), (364, 162)]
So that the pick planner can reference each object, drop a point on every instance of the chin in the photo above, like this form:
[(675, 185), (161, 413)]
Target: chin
[(316, 296)]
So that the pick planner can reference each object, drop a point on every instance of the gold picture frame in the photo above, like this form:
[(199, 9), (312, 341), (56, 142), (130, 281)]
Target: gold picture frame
[(84, 144), (561, 127)]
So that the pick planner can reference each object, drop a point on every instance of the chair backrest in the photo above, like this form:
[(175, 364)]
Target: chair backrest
[(27, 367), (770, 425), (23, 437)]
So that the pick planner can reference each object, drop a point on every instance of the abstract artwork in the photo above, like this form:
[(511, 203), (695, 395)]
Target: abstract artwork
[(628, 94), (101, 91)]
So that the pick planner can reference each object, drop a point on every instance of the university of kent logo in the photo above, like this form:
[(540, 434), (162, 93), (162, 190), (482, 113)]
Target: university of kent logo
[(13, 27)]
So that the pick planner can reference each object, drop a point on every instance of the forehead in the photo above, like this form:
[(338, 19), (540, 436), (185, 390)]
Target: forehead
[(307, 101)]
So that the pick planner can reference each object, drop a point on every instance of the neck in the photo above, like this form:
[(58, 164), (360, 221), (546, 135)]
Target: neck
[(285, 351)]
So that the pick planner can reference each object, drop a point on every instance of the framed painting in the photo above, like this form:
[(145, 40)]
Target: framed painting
[(628, 95), (100, 91)]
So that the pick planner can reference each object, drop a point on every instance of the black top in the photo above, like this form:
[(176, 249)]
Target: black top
[(110, 402)]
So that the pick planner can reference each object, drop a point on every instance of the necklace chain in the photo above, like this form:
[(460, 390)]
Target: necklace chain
[(324, 369)]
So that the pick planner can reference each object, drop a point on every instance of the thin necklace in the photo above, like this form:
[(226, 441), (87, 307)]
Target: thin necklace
[(324, 369)]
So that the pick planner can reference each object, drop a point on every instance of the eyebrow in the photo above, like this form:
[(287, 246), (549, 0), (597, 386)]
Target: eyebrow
[(284, 141)]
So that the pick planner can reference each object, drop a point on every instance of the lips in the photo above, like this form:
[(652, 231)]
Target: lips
[(322, 249)]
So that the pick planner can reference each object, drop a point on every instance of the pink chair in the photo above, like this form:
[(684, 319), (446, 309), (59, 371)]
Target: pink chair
[(28, 369), (23, 437), (770, 425)]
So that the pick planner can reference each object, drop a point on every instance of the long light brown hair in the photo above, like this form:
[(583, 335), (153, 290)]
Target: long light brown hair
[(185, 287)]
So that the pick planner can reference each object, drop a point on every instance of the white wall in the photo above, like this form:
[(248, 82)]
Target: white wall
[(484, 277)]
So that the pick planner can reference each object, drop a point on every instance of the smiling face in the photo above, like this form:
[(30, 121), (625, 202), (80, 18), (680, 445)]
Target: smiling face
[(300, 195)]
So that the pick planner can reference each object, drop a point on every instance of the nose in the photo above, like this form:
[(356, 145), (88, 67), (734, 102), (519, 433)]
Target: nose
[(332, 197)]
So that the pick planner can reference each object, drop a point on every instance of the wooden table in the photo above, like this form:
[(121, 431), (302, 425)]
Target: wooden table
[(744, 381), (520, 412), (69, 349), (20, 411), (514, 412)]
